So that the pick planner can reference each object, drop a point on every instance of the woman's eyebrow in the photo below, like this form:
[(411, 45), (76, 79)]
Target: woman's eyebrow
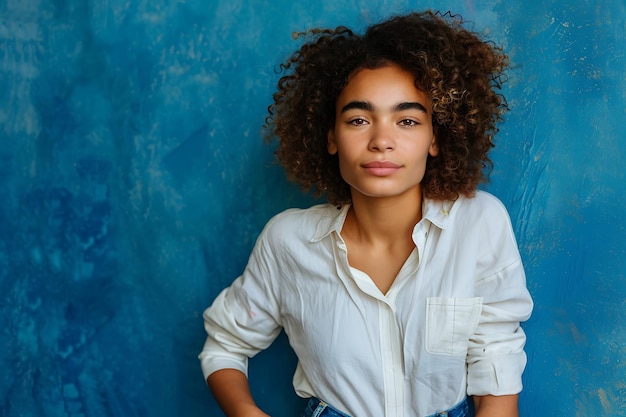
[(410, 105), (367, 106), (358, 105)]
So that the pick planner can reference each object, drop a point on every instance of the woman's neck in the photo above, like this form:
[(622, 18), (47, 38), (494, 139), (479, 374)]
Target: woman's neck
[(383, 220)]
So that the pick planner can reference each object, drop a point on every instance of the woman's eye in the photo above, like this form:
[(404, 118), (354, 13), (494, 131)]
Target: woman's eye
[(357, 122), (408, 122)]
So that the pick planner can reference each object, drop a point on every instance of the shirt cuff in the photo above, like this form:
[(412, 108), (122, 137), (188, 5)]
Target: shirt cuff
[(497, 375), (213, 358)]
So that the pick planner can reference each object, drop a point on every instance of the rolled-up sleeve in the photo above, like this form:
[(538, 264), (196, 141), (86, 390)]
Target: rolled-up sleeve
[(496, 357), (244, 318)]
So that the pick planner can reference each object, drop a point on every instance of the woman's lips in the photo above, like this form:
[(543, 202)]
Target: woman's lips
[(381, 168)]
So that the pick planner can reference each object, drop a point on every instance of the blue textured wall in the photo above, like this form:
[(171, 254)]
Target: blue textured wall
[(133, 183)]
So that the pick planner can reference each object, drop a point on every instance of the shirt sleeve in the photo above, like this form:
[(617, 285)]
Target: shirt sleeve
[(244, 318), (496, 357)]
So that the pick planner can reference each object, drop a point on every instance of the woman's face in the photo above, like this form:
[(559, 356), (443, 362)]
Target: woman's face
[(383, 133)]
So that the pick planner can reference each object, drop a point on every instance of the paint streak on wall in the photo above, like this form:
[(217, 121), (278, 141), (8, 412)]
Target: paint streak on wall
[(134, 182)]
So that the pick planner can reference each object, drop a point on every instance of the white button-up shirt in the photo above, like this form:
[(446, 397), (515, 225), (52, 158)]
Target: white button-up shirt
[(448, 327)]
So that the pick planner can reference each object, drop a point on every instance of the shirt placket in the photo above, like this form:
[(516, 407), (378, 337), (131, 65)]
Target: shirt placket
[(392, 364), (389, 334)]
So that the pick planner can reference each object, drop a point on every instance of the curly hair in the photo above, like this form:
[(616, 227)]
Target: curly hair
[(459, 70)]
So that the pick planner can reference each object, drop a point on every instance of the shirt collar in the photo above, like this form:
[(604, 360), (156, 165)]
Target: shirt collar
[(331, 220), (333, 217), (438, 211)]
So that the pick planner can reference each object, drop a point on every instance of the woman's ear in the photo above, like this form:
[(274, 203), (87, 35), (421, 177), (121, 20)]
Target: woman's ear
[(434, 148), (332, 145)]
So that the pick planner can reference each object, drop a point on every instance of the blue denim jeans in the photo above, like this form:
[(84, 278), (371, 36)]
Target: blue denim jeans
[(318, 408)]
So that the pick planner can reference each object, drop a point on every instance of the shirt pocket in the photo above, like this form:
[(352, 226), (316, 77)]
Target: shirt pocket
[(450, 324)]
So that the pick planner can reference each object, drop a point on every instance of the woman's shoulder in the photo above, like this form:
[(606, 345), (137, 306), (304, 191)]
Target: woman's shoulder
[(301, 222), (485, 216), (293, 216), (481, 214), (482, 205)]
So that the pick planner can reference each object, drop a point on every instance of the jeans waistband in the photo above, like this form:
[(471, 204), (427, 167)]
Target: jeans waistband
[(318, 408)]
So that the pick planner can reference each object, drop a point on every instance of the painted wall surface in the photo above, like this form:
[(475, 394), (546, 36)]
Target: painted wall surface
[(133, 183)]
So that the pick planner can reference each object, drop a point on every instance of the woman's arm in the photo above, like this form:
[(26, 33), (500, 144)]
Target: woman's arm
[(232, 392), (492, 406)]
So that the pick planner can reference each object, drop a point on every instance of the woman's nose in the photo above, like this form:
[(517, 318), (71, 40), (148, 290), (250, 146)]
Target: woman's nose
[(382, 138)]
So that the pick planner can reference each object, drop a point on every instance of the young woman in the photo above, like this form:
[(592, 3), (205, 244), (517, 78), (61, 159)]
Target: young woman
[(404, 294)]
